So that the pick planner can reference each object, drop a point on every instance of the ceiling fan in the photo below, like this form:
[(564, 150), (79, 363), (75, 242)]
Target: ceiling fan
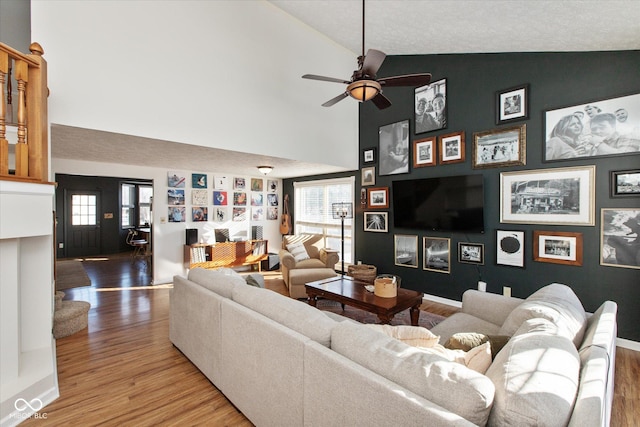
[(364, 85)]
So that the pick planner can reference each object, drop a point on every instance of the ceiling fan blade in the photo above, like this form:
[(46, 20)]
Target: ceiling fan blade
[(325, 79), (372, 62), (335, 100), (381, 101), (406, 80)]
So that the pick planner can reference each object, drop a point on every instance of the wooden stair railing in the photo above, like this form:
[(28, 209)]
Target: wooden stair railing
[(32, 147)]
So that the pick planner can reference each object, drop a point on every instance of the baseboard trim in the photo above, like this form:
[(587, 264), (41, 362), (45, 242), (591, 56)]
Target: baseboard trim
[(628, 344), (620, 342), (441, 300)]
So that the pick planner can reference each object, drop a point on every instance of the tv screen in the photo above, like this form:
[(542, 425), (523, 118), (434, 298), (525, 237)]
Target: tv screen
[(450, 203)]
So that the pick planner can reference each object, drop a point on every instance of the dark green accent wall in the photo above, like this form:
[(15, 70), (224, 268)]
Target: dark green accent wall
[(556, 80)]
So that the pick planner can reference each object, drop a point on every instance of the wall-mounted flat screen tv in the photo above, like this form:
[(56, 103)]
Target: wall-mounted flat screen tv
[(449, 203)]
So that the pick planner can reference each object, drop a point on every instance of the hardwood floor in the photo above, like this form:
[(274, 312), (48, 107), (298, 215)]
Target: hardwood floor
[(123, 370)]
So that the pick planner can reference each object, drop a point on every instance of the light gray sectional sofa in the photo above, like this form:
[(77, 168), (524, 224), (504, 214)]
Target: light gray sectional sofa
[(282, 362)]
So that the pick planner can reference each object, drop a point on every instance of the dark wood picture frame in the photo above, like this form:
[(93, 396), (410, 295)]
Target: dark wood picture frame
[(557, 247), (424, 152), (500, 147), (451, 148), (372, 198)]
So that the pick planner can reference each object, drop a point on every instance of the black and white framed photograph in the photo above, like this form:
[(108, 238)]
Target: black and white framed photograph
[(500, 147), (510, 248), (369, 155), (452, 148), (378, 197), (376, 221), (605, 127), (560, 196), (431, 106), (436, 254), (625, 183), (471, 253), (424, 152), (405, 250), (620, 237), (369, 176), (512, 104), (558, 247), (394, 148)]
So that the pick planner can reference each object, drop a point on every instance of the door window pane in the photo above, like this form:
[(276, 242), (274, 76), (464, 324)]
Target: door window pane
[(83, 209)]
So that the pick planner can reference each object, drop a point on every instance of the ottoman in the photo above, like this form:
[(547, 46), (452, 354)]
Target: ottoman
[(298, 278), (70, 317)]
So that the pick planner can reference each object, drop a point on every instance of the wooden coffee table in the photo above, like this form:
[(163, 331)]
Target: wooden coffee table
[(347, 290)]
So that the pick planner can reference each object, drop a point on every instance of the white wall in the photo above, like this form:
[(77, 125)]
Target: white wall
[(223, 74), (169, 237)]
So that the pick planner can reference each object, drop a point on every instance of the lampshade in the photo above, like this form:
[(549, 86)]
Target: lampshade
[(265, 170), (364, 90), (342, 210)]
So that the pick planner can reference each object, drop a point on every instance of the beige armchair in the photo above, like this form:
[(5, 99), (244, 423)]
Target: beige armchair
[(319, 257)]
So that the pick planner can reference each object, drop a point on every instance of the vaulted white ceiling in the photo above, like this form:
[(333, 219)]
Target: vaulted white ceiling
[(396, 28), (420, 27)]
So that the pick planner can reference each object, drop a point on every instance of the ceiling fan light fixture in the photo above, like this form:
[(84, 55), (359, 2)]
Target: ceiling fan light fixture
[(364, 90), (265, 170)]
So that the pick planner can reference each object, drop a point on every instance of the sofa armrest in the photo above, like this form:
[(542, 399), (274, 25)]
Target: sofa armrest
[(287, 259), (493, 308), (330, 258)]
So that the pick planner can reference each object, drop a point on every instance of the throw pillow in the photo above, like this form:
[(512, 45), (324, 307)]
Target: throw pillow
[(252, 280), (479, 358), (298, 251), (465, 341), (416, 336)]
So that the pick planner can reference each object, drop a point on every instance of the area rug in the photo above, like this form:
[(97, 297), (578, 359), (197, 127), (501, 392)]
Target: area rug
[(71, 274), (426, 319)]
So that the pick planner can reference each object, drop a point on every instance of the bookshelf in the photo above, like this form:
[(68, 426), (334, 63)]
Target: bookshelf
[(226, 254)]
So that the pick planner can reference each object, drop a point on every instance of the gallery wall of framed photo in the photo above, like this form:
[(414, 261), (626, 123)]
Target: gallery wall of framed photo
[(561, 189)]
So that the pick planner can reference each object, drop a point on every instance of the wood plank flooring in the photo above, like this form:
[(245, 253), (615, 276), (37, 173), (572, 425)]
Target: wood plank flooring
[(123, 370)]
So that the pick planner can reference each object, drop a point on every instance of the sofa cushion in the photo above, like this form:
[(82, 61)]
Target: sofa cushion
[(220, 281), (298, 251), (448, 384), (296, 315), (416, 336), (536, 376), (556, 303)]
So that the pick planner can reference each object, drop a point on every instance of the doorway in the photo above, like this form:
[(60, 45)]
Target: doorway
[(82, 224)]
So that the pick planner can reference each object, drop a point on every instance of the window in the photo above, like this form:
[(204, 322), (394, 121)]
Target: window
[(136, 205), (312, 212), (83, 209), (145, 196), (128, 205)]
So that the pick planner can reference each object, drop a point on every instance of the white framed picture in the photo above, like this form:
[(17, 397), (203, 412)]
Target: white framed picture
[(510, 248)]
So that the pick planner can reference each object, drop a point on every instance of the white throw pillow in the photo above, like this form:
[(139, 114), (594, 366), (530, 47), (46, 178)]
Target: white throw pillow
[(298, 251), (416, 336)]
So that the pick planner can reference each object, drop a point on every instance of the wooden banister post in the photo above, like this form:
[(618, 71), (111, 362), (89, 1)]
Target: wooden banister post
[(22, 149), (4, 144), (37, 116)]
